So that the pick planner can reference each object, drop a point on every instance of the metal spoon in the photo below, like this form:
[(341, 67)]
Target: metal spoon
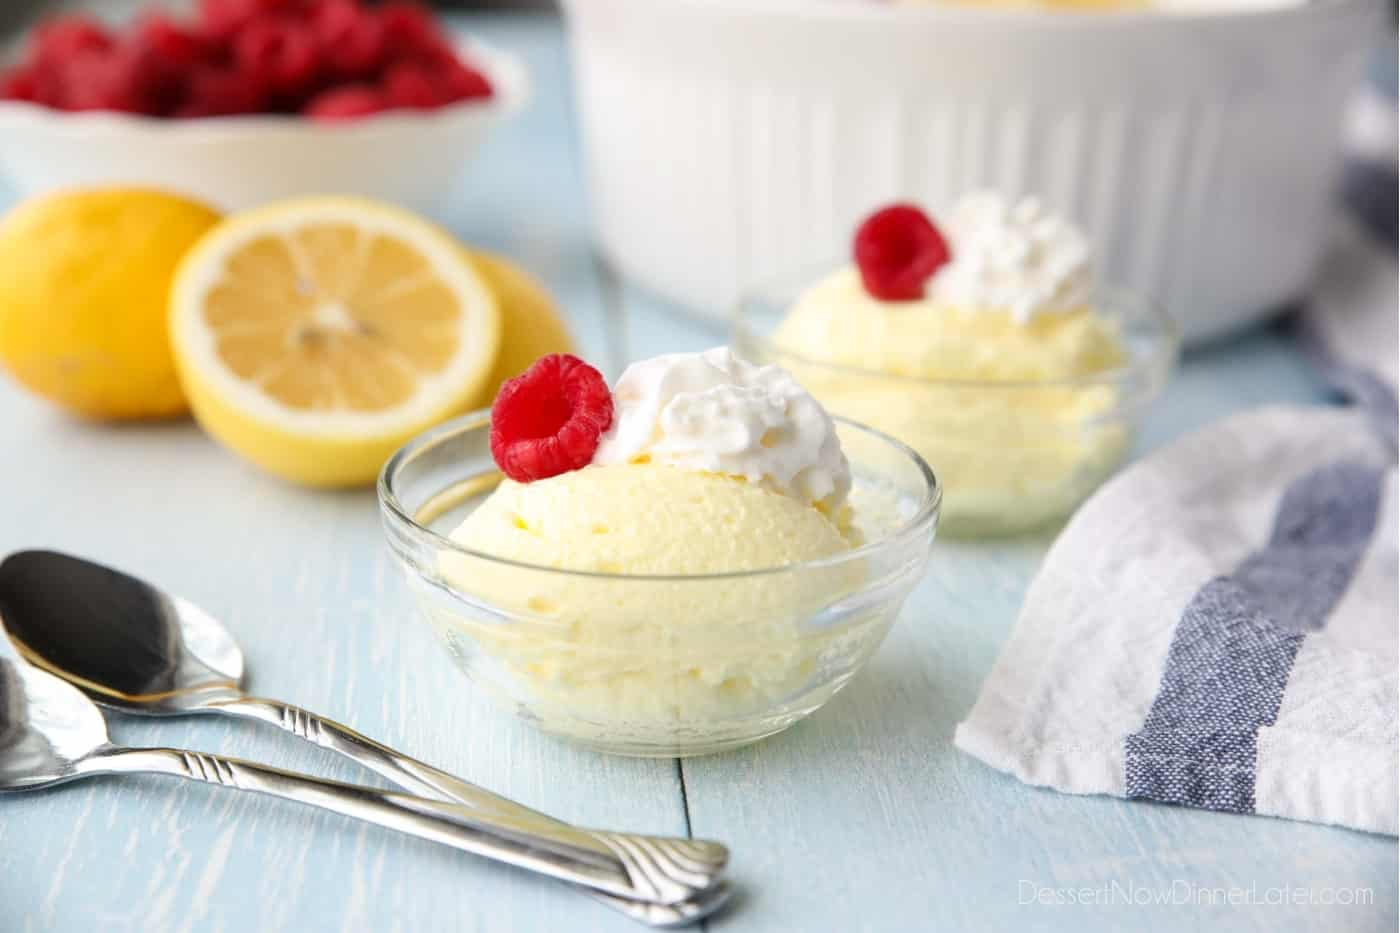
[(50, 734), (131, 647)]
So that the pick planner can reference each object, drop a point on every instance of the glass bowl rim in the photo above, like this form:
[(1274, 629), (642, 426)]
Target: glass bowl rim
[(923, 521), (1165, 337)]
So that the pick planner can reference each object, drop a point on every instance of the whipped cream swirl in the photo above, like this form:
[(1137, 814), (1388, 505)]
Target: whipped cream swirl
[(716, 413), (1014, 257)]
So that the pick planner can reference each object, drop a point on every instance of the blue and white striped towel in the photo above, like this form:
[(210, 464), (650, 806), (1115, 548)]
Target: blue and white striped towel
[(1217, 626)]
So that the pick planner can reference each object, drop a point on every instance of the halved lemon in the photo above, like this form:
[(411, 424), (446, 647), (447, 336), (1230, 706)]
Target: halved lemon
[(315, 336)]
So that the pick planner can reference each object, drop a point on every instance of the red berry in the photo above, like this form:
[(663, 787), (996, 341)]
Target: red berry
[(121, 78), (412, 86), (279, 53), (58, 40), (330, 16), (346, 102), (350, 37), (359, 51), (94, 84), (463, 82), (48, 87), (548, 420), (898, 249), (19, 84), (217, 91), (221, 19), (165, 54), (175, 46), (408, 29)]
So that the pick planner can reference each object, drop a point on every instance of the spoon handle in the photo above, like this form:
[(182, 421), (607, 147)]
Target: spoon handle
[(409, 773), (660, 871), (422, 778)]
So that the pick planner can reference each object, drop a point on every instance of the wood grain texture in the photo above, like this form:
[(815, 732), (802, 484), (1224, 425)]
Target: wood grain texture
[(862, 818)]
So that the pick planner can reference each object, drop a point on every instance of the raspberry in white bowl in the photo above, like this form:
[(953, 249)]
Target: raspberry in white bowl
[(325, 59), (251, 101)]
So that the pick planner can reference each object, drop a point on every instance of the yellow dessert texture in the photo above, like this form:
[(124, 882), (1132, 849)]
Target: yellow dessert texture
[(619, 655), (648, 520), (1007, 412), (837, 321)]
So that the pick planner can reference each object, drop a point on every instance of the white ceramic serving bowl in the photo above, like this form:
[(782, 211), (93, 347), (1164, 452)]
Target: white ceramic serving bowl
[(409, 157), (732, 142)]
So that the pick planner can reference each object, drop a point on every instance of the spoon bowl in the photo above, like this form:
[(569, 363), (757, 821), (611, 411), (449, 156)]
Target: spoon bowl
[(45, 727), (128, 645)]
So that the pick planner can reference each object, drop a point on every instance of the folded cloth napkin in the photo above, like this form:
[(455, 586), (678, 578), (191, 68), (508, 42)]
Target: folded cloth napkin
[(1216, 627)]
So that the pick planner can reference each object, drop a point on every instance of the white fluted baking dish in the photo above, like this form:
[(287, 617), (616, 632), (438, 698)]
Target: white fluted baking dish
[(737, 141)]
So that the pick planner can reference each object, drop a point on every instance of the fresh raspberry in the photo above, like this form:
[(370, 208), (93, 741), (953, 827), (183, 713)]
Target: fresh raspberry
[(49, 87), (359, 51), (124, 77), (412, 86), (408, 30), (171, 53), (898, 249), (548, 420), (328, 17), (218, 91), (347, 102), (463, 82), (175, 46), (280, 54), (58, 40), (93, 81), (19, 84), (350, 37), (221, 19)]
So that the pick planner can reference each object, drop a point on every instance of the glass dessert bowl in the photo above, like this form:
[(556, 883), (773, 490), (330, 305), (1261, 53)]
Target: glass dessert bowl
[(1012, 455), (992, 353), (656, 665)]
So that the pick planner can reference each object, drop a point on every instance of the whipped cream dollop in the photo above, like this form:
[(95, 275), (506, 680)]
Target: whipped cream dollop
[(1012, 256), (717, 413)]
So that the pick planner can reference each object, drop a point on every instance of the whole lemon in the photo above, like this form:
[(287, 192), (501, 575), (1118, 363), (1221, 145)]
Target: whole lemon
[(531, 325), (84, 281)]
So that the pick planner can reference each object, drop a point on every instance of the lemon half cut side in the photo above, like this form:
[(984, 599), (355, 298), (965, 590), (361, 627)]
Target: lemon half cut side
[(315, 336)]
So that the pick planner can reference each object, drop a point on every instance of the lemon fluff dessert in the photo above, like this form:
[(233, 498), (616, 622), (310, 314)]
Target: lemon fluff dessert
[(980, 346), (603, 553)]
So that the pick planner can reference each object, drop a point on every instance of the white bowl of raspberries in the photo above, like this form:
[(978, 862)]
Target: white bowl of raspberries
[(253, 100)]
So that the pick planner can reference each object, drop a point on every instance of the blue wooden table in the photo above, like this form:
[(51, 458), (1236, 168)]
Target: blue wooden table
[(862, 818)]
